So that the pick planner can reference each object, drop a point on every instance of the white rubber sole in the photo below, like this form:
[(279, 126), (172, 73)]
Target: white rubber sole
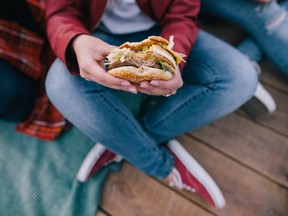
[(199, 173), (264, 96), (89, 161)]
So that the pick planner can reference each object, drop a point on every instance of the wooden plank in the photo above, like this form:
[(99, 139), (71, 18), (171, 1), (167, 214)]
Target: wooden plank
[(246, 192), (130, 192), (255, 146), (277, 121)]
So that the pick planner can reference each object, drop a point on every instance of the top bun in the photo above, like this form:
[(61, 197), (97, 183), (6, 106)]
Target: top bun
[(147, 42)]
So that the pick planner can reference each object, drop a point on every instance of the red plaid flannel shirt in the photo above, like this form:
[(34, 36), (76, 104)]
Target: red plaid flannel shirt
[(31, 54)]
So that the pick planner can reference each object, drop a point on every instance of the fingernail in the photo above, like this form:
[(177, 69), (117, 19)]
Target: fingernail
[(143, 85), (125, 83), (132, 90), (154, 82)]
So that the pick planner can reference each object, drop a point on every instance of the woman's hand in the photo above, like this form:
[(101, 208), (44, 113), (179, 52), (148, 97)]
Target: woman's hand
[(90, 53), (161, 87)]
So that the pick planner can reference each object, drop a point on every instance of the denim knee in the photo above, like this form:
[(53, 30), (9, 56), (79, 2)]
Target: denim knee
[(221, 68), (243, 80), (53, 81), (58, 82)]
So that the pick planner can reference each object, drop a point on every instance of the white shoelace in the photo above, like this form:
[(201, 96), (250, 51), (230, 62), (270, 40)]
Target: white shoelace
[(177, 181)]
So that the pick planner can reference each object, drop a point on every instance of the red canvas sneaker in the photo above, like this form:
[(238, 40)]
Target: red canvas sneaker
[(190, 175), (97, 158)]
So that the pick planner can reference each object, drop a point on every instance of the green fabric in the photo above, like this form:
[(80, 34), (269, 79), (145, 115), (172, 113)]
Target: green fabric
[(39, 178)]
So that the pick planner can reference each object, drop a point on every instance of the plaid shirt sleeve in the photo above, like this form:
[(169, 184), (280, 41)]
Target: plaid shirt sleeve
[(31, 54)]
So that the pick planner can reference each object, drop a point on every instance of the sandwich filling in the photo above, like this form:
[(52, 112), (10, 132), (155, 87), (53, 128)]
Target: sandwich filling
[(154, 52)]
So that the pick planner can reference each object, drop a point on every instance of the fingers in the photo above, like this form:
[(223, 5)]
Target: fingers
[(97, 74), (175, 83), (161, 87), (147, 88), (90, 53)]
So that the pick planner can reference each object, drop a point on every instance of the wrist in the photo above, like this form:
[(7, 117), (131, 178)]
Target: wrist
[(77, 40)]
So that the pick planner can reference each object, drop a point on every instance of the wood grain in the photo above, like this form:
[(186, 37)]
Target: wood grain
[(256, 147), (246, 192), (277, 121), (131, 192), (273, 76)]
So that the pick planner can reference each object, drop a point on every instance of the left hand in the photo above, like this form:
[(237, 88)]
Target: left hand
[(162, 87)]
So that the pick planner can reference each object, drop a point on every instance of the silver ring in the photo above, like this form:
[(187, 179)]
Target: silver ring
[(169, 94)]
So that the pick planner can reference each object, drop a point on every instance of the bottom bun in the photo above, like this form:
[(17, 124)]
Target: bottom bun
[(137, 75)]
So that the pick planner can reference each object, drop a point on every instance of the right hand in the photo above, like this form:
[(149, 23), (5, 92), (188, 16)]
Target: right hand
[(90, 53), (162, 87)]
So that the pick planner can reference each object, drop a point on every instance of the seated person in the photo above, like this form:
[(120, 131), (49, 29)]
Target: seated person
[(267, 22), (216, 80)]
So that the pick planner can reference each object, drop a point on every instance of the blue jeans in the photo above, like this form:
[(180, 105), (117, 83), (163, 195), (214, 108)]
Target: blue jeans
[(17, 93), (267, 24), (217, 80)]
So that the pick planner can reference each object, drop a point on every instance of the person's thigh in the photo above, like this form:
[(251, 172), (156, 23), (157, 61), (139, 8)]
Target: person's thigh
[(253, 16), (218, 79), (267, 23), (17, 93), (95, 110)]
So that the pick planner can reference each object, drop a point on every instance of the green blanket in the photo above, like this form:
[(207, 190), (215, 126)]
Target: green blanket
[(38, 177)]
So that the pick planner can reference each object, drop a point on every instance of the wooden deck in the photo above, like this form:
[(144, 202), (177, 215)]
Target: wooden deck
[(248, 158)]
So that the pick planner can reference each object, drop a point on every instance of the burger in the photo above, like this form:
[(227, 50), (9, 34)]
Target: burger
[(152, 58)]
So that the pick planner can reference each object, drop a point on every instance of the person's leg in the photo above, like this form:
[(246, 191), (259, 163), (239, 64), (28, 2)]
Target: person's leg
[(101, 116), (267, 23), (262, 102), (250, 47), (218, 79), (284, 4), (17, 93), (95, 110)]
